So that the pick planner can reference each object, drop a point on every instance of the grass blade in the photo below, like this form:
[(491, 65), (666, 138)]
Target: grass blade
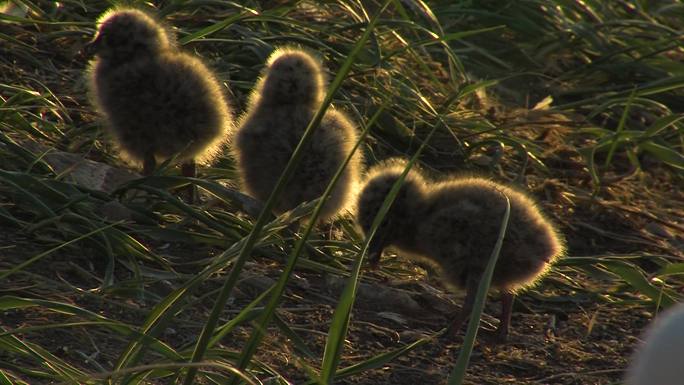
[(458, 374)]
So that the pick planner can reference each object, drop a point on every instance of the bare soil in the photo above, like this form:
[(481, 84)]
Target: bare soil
[(570, 329)]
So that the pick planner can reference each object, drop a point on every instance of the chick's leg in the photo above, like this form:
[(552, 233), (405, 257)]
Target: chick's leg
[(149, 164), (189, 169), (472, 283), (376, 247), (507, 299)]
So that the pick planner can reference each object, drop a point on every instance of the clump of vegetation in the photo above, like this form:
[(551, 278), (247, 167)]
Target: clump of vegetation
[(104, 281)]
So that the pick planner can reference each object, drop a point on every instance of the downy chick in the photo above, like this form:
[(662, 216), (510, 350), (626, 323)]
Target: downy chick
[(454, 225), (281, 106), (157, 101)]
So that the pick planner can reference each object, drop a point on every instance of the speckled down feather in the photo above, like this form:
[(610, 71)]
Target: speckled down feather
[(454, 224), (283, 103), (156, 100)]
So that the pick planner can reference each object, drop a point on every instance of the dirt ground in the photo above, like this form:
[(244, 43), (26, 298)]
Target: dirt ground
[(571, 329)]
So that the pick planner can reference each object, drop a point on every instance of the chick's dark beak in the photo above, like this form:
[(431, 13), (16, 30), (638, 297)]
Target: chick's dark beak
[(376, 247), (91, 48)]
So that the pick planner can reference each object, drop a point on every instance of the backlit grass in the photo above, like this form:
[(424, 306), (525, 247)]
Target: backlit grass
[(581, 101)]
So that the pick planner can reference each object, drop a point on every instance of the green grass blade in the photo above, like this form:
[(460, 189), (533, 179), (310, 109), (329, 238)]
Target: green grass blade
[(662, 123), (666, 154), (52, 250), (635, 278), (458, 374), (620, 128), (380, 360)]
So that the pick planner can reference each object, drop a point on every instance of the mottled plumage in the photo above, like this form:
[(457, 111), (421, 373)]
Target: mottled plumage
[(156, 100), (454, 224), (283, 103)]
